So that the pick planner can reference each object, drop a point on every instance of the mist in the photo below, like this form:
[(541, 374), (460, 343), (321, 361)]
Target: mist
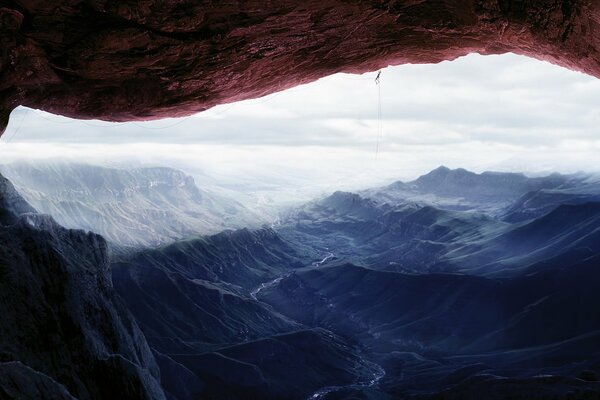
[(502, 113)]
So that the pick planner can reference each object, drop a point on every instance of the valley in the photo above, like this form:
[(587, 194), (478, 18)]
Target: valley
[(385, 293)]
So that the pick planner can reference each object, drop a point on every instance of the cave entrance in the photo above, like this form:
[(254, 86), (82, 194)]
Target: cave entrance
[(506, 113)]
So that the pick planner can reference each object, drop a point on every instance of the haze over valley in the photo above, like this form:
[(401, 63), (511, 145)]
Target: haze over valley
[(437, 287)]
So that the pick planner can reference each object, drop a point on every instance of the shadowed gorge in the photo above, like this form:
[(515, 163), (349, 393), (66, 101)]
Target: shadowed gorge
[(145, 60)]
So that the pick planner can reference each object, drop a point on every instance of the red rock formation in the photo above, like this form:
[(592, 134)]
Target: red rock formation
[(146, 59)]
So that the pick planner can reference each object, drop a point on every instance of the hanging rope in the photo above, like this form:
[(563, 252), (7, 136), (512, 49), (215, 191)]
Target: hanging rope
[(379, 116)]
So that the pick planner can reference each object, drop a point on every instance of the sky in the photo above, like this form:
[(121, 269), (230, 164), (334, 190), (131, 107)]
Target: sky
[(503, 113)]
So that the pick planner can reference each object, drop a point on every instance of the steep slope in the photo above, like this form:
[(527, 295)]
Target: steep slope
[(240, 259), (451, 313), (182, 315), (566, 229), (63, 330), (433, 332), (195, 302), (534, 204), (140, 206), (407, 237), (202, 288), (287, 366), (12, 206)]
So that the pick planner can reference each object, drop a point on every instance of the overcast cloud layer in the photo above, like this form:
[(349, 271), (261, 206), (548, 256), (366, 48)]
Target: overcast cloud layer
[(496, 112)]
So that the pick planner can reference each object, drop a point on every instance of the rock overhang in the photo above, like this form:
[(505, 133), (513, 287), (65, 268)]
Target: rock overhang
[(151, 59)]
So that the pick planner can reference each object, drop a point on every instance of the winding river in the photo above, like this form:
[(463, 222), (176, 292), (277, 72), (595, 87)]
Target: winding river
[(378, 374), (265, 285), (378, 371), (328, 257)]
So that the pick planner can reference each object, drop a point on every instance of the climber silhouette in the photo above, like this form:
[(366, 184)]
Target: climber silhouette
[(377, 78)]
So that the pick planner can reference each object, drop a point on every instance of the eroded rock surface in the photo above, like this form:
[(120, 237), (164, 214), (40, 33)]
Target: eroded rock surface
[(63, 330), (150, 59)]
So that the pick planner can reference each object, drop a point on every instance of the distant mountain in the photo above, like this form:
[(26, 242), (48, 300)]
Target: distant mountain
[(141, 206), (459, 189), (487, 186), (417, 238), (65, 333), (408, 237)]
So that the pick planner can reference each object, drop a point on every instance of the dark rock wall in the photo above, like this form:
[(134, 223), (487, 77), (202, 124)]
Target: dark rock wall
[(63, 329)]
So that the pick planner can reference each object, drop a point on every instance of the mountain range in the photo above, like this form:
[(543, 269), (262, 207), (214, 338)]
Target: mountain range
[(423, 292), (510, 196), (129, 207)]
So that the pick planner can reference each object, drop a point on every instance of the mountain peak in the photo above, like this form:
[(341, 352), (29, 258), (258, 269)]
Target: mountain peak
[(441, 168), (442, 173)]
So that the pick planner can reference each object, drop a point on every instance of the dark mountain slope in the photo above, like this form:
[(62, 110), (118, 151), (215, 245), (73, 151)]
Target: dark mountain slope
[(288, 366), (62, 326), (577, 224), (431, 332), (18, 381), (194, 302), (11, 204), (241, 259), (450, 313), (568, 228), (182, 315), (583, 189)]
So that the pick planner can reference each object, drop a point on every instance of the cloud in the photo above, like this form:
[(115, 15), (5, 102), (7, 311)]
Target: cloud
[(492, 112)]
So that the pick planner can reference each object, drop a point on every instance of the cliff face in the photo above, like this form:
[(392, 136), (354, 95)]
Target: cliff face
[(63, 330), (134, 207), (148, 59)]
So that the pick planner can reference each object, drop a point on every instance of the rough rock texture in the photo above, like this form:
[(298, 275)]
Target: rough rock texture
[(18, 381), (63, 330), (135, 60)]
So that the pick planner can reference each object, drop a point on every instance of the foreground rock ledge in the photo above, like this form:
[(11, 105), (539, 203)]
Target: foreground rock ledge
[(126, 60)]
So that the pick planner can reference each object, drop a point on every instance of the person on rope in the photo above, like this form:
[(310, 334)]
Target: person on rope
[(377, 78)]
